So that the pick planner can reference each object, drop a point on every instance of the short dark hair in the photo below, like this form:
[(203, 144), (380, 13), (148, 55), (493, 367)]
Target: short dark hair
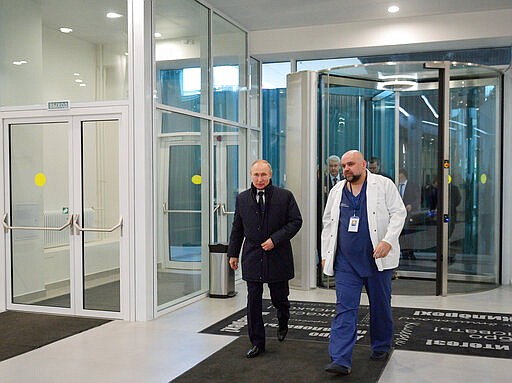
[(403, 171)]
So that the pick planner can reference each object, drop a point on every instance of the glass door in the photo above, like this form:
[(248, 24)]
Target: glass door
[(229, 173), (182, 214), (391, 113), (64, 217)]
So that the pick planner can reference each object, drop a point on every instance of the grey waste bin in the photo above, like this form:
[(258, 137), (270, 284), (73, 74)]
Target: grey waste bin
[(222, 277)]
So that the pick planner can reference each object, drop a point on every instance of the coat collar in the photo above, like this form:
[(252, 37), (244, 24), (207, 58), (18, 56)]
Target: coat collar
[(268, 189)]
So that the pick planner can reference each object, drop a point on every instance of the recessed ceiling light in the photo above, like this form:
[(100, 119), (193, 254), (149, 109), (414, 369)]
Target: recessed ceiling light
[(114, 15), (158, 34), (66, 30), (83, 84), (76, 74), (20, 62), (78, 80), (393, 9)]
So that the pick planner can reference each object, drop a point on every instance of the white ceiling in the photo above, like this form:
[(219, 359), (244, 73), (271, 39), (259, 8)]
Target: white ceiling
[(255, 15)]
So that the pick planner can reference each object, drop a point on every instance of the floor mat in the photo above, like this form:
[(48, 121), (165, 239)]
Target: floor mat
[(297, 361), (455, 332), (22, 332)]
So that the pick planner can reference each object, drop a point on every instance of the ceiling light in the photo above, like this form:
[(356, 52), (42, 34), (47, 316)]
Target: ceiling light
[(393, 9), (66, 30), (76, 74), (20, 62), (158, 34), (78, 80), (83, 84), (114, 15)]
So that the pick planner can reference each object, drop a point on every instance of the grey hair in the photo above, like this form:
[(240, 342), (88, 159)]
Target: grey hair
[(333, 158)]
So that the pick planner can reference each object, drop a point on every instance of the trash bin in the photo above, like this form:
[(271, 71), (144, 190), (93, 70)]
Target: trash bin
[(222, 277)]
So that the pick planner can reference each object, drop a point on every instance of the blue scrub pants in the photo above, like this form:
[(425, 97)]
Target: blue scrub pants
[(348, 294)]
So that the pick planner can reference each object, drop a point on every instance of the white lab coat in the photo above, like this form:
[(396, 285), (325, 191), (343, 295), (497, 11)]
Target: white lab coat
[(386, 217)]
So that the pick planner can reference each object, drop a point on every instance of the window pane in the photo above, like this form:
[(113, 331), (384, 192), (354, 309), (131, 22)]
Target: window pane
[(88, 63), (254, 93), (181, 54), (274, 118), (182, 207), (229, 70)]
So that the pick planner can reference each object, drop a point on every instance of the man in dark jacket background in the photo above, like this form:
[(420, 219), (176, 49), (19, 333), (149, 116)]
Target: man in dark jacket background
[(267, 217)]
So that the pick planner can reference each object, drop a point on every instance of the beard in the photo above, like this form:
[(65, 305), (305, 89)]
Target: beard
[(353, 177)]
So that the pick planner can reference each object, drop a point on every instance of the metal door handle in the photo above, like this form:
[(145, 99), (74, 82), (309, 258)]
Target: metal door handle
[(99, 230), (7, 227), (220, 207)]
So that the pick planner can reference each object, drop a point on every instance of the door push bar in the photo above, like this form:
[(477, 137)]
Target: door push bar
[(72, 222), (78, 228), (7, 227)]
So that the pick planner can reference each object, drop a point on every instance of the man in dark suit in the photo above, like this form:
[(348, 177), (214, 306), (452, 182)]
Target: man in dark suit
[(374, 165), (411, 196), (266, 219), (334, 176)]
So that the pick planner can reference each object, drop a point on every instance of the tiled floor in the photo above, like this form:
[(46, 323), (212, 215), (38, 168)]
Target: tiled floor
[(159, 350)]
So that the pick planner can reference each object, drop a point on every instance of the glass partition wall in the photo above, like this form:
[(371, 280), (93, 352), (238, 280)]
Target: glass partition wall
[(391, 113), (207, 115)]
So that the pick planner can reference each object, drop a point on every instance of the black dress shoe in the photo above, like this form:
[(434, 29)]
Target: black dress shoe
[(254, 351), (335, 368), (281, 333), (379, 355)]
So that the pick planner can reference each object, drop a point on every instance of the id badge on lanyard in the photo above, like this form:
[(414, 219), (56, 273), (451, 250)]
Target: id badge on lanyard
[(353, 224)]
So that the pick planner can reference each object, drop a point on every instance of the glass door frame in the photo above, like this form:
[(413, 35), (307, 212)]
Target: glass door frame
[(74, 118), (166, 141)]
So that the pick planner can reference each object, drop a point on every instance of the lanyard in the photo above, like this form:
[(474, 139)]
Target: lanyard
[(355, 201)]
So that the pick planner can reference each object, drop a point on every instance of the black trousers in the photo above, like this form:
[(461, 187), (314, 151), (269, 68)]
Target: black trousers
[(279, 292)]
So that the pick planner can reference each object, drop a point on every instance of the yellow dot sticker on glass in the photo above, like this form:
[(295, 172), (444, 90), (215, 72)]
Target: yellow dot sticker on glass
[(196, 179), (40, 179), (449, 179), (483, 178)]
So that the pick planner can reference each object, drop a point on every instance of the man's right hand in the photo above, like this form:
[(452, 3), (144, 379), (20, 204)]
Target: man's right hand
[(233, 262), (323, 263)]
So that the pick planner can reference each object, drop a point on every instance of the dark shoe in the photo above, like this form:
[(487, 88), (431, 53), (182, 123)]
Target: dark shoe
[(379, 355), (254, 351), (281, 333), (335, 368)]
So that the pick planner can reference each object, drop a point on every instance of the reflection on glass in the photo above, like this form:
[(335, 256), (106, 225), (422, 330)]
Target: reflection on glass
[(182, 208), (229, 51), (181, 54), (227, 167), (39, 198), (100, 184), (96, 63)]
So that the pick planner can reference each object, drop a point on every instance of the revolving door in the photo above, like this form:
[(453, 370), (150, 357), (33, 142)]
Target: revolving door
[(434, 129)]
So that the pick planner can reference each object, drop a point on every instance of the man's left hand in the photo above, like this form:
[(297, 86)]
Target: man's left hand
[(381, 250), (267, 245)]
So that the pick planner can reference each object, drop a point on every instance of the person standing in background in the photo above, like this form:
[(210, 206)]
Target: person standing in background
[(411, 195)]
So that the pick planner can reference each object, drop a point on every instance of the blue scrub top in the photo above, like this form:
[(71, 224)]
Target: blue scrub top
[(355, 248)]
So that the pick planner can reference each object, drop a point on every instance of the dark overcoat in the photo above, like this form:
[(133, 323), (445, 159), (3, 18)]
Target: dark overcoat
[(280, 222)]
